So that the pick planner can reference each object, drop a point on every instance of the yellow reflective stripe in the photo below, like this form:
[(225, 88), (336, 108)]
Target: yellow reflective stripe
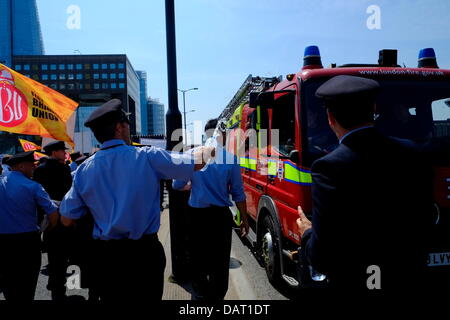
[(236, 116), (295, 175), (272, 168), (258, 118), (252, 164), (291, 173), (243, 162), (248, 163)]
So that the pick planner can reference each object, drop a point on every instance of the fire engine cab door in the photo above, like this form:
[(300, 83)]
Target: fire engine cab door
[(287, 181), (254, 175)]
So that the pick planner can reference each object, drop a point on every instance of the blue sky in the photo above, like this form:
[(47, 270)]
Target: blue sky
[(220, 42)]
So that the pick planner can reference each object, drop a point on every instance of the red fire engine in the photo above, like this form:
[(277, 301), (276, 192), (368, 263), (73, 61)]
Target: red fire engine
[(276, 168)]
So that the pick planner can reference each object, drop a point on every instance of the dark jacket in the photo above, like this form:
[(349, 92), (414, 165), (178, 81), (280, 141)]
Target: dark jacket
[(372, 205), (55, 177)]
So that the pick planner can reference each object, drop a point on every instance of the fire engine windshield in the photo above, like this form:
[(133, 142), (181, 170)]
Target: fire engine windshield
[(417, 111)]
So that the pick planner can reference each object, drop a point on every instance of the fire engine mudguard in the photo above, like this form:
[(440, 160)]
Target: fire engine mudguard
[(269, 238)]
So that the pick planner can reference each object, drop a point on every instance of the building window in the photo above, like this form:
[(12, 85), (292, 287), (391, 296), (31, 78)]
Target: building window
[(70, 76), (45, 77), (53, 76), (104, 76), (112, 66), (113, 85), (35, 67), (35, 77), (53, 86), (113, 76), (62, 67), (95, 65), (96, 76), (70, 86), (121, 76), (122, 85), (88, 86), (80, 86), (26, 67), (70, 66), (79, 66), (87, 66), (104, 66), (104, 85), (96, 85), (44, 67), (53, 67), (121, 65), (79, 76), (62, 76), (62, 86), (87, 76), (18, 67)]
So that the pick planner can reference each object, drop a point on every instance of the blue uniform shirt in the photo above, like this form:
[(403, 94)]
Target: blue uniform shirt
[(19, 199), (73, 166), (120, 187), (213, 185)]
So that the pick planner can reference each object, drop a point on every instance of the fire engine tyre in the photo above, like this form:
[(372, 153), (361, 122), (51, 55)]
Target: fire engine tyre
[(270, 249)]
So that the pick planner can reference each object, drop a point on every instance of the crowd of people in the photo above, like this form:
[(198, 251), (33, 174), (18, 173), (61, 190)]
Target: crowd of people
[(368, 208), (103, 216)]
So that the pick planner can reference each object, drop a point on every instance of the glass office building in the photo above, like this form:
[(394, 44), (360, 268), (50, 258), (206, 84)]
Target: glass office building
[(142, 75), (20, 30), (90, 80), (156, 118), (20, 34)]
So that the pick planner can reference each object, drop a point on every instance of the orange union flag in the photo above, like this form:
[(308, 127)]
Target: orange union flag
[(29, 107), (28, 146), (38, 155)]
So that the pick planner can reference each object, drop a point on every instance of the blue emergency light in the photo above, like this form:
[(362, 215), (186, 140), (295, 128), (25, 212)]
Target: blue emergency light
[(427, 58), (312, 57), (312, 51)]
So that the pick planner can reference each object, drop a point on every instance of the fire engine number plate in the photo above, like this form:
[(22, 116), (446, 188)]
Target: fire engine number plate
[(439, 259)]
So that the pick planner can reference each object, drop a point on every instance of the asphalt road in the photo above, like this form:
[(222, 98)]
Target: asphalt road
[(248, 280), (249, 277), (41, 289)]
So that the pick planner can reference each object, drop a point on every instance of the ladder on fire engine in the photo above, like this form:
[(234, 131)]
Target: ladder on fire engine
[(251, 84)]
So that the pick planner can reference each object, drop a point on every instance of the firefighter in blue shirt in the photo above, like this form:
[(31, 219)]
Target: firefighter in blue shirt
[(54, 176), (119, 185), (210, 218), (20, 249)]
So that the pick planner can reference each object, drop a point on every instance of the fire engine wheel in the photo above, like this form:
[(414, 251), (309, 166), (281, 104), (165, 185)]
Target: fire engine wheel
[(270, 250)]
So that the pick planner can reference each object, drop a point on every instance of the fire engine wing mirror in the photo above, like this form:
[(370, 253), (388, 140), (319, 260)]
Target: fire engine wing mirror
[(266, 99), (294, 156), (252, 103)]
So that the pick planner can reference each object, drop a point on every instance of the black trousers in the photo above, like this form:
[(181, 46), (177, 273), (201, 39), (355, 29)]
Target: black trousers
[(59, 241), (210, 243), (20, 263), (131, 270), (82, 252)]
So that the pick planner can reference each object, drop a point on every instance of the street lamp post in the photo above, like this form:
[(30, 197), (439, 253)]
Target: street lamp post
[(178, 233), (184, 104)]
